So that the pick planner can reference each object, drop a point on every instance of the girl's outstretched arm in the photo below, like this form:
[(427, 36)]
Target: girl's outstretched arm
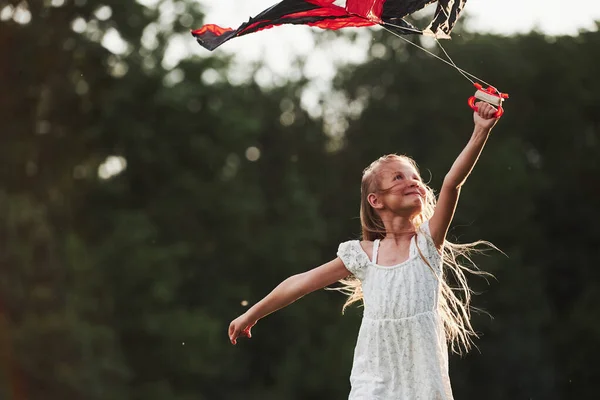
[(287, 292), (440, 221)]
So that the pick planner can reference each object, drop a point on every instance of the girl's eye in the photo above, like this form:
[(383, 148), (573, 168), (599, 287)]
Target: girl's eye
[(399, 176)]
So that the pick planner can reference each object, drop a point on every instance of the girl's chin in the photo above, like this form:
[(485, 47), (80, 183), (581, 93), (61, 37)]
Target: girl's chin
[(416, 201), (417, 207), (411, 209)]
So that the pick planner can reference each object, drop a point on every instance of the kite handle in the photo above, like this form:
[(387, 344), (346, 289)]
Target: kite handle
[(497, 114), (490, 95)]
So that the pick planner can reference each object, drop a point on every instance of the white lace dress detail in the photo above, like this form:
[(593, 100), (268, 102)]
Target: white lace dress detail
[(401, 351)]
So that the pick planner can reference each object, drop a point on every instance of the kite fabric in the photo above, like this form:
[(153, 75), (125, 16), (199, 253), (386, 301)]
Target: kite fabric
[(336, 14)]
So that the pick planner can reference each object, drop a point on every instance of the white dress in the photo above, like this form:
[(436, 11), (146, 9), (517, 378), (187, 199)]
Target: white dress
[(401, 351)]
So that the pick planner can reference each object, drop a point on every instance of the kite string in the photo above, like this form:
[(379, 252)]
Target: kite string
[(452, 64)]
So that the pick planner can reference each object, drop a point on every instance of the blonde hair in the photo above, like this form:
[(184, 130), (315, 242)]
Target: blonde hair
[(454, 303)]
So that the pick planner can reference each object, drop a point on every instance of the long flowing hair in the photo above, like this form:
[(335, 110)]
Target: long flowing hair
[(454, 304)]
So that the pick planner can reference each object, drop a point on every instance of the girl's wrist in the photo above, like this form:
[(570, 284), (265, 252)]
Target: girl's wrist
[(480, 133), (481, 130), (249, 315)]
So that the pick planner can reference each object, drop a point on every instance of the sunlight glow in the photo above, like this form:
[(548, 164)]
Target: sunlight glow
[(112, 166)]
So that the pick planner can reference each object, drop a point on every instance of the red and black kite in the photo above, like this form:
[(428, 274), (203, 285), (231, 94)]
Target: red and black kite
[(336, 14)]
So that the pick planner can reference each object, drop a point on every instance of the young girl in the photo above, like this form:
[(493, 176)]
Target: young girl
[(410, 312)]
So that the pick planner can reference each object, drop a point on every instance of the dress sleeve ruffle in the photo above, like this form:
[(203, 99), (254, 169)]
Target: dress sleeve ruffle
[(354, 258)]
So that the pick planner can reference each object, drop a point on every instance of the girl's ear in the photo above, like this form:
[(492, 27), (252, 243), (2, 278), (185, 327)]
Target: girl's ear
[(374, 201)]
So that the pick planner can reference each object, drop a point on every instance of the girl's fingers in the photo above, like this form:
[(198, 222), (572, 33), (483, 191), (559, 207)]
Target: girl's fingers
[(233, 333), (486, 111), (483, 110)]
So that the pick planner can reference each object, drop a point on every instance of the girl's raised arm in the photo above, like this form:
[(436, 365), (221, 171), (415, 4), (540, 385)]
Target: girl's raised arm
[(287, 292), (444, 212)]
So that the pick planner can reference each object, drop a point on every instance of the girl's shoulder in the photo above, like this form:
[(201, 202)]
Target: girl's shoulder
[(360, 247), (424, 228), (425, 243), (364, 245), (355, 254), (367, 247)]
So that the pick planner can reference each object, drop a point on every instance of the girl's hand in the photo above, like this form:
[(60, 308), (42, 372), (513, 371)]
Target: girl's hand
[(484, 116), (240, 327)]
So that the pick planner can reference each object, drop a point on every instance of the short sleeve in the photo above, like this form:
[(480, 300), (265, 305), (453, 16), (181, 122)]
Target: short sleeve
[(354, 258), (426, 244), (424, 227)]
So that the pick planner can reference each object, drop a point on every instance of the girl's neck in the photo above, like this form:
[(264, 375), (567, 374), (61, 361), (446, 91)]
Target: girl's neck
[(398, 228)]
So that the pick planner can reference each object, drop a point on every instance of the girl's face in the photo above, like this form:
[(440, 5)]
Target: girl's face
[(401, 189)]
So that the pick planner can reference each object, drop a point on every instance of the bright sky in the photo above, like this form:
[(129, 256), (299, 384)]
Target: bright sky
[(500, 16), (278, 46)]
